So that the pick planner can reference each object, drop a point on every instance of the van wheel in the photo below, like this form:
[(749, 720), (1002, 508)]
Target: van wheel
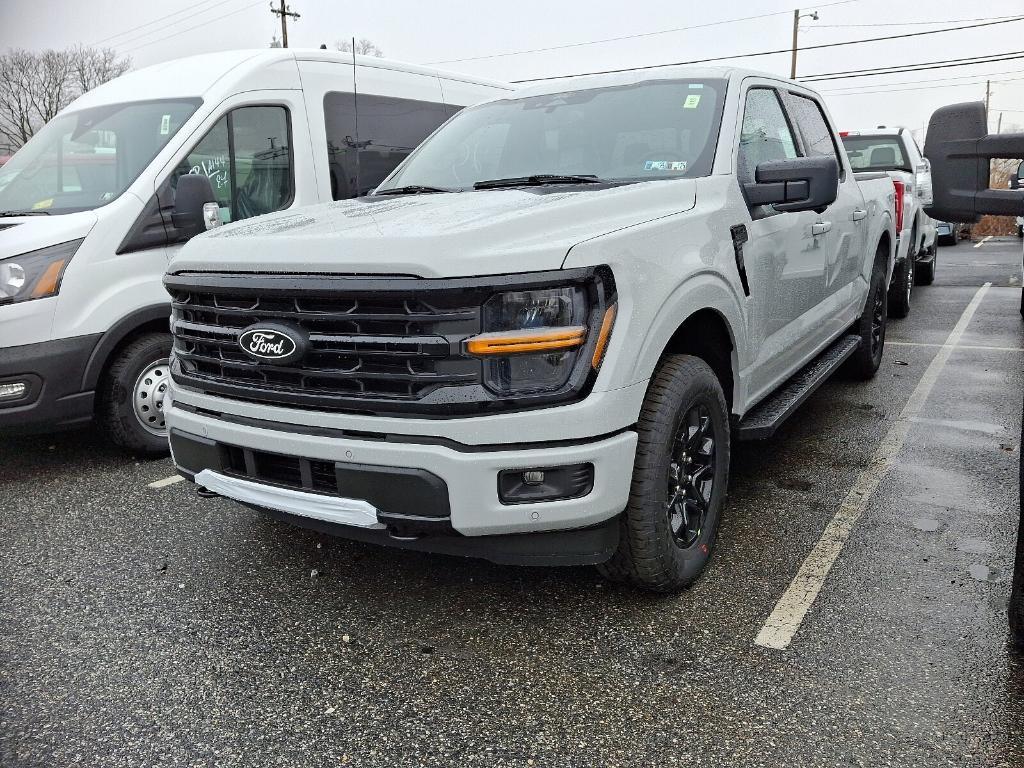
[(901, 288), (871, 328), (680, 475), (131, 395)]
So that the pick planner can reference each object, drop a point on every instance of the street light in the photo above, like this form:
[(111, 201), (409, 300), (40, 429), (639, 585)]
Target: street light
[(813, 15)]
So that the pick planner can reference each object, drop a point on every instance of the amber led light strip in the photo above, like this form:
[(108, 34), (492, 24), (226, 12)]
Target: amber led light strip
[(536, 340)]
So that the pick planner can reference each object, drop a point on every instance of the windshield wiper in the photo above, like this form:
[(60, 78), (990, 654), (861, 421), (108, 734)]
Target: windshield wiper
[(537, 180), (34, 212), (412, 189)]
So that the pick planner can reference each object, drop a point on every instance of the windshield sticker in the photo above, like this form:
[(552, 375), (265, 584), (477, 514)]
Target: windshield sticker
[(47, 203), (665, 165), (692, 101), (165, 125), (695, 85)]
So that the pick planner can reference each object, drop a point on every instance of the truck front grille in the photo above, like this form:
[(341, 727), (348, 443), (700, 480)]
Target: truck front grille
[(370, 341)]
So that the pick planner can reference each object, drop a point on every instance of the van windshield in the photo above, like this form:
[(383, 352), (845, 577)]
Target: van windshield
[(82, 160), (660, 129)]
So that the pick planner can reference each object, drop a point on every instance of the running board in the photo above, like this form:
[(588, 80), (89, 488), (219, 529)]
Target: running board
[(768, 415)]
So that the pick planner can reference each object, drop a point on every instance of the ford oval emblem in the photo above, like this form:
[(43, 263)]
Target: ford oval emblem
[(274, 343)]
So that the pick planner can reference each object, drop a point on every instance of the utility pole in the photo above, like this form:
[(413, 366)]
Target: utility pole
[(988, 98), (796, 35), (284, 12)]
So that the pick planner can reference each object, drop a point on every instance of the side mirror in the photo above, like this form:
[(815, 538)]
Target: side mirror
[(1017, 180), (195, 206), (796, 184), (960, 151)]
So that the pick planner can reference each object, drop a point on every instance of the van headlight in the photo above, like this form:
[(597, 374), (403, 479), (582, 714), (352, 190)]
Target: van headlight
[(533, 339), (35, 275)]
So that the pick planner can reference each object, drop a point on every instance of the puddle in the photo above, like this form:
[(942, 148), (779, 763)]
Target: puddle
[(926, 524), (974, 546)]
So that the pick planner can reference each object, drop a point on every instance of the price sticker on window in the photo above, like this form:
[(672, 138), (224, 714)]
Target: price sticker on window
[(165, 125), (692, 101)]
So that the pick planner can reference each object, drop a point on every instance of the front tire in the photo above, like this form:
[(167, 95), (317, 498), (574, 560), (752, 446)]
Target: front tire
[(131, 395), (680, 475), (871, 326)]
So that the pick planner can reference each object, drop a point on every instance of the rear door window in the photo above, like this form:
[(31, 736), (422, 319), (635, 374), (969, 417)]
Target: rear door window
[(369, 135), (810, 123)]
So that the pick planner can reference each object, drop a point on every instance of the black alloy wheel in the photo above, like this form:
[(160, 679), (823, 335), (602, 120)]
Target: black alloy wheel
[(691, 476)]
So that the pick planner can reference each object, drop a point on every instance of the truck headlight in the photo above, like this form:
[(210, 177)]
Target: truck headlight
[(35, 275), (533, 339)]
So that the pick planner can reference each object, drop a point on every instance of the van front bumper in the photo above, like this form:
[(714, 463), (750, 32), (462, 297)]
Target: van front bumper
[(52, 373), (417, 494)]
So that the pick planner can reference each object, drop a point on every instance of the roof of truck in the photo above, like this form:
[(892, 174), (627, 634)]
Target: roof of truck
[(640, 75), (195, 76)]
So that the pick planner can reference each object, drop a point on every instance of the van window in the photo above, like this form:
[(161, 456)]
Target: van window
[(85, 159), (876, 153), (363, 148), (247, 157), (765, 133)]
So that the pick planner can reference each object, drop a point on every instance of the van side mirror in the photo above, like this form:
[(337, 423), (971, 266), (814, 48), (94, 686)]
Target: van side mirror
[(961, 150), (795, 184), (195, 206)]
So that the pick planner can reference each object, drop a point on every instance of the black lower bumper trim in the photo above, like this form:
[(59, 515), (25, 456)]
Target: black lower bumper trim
[(581, 546), (54, 371)]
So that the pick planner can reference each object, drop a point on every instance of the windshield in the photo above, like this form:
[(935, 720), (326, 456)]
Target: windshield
[(662, 129), (876, 153), (85, 159)]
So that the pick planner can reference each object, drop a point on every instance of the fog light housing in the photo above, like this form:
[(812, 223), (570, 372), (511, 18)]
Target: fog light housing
[(14, 390), (525, 486)]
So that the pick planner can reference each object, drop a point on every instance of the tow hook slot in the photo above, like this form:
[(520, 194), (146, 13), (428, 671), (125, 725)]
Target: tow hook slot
[(739, 237)]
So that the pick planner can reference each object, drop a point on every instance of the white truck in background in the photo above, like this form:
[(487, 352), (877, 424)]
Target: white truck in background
[(895, 152), (89, 209), (535, 341)]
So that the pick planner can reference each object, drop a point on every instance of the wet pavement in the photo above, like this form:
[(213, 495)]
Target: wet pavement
[(143, 626)]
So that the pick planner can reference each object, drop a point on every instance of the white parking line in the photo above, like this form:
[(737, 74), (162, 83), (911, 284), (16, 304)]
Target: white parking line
[(789, 612), (982, 241), (958, 346), (167, 481)]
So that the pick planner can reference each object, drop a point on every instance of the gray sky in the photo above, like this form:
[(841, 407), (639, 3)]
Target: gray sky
[(418, 31)]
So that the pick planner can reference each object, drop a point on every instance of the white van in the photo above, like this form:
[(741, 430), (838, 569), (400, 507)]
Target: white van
[(88, 220)]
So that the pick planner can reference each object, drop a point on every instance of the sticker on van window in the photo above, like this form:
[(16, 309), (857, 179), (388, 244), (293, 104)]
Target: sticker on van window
[(47, 203), (665, 165), (692, 101), (165, 125)]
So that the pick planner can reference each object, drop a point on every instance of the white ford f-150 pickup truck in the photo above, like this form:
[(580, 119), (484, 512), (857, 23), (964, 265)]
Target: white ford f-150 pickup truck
[(536, 340), (894, 152)]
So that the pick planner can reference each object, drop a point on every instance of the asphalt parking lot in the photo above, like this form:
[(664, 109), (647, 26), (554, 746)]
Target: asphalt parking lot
[(146, 626)]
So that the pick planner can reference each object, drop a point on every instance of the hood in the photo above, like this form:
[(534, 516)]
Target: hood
[(434, 235), (21, 234)]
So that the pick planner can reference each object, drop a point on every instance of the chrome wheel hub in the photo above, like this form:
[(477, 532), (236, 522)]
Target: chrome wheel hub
[(148, 397)]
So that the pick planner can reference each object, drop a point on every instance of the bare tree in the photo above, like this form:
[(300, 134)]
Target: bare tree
[(35, 86), (364, 47)]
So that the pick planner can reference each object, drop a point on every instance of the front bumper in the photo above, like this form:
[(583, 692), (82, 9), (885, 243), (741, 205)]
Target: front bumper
[(53, 372), (456, 488)]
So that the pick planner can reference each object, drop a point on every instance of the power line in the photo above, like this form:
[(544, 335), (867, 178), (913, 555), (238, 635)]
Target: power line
[(920, 88), (197, 26), (631, 37), (165, 27), (908, 23), (774, 52), (154, 21), (861, 86), (920, 67)]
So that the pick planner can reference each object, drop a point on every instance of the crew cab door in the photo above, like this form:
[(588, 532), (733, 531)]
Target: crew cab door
[(784, 257), (840, 228)]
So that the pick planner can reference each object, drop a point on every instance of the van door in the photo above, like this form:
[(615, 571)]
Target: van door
[(255, 150), (784, 260)]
